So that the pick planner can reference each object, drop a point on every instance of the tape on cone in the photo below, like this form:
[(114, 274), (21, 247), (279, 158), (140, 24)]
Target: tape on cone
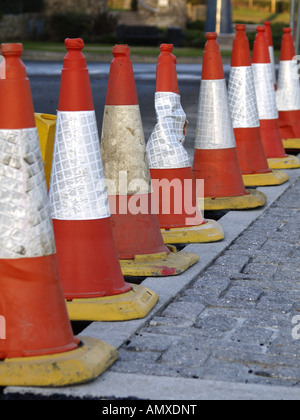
[(214, 126), (165, 147)]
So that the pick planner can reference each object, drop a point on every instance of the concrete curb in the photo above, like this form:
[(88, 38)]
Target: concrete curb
[(117, 333), (120, 386)]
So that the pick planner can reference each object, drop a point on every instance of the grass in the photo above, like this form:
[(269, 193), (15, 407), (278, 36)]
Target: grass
[(104, 49), (239, 15), (244, 15)]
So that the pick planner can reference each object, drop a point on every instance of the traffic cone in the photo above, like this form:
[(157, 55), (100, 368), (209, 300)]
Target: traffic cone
[(244, 114), (216, 159), (46, 125), (267, 107), (90, 272), (38, 347), (288, 94), (136, 230), (269, 37), (169, 161)]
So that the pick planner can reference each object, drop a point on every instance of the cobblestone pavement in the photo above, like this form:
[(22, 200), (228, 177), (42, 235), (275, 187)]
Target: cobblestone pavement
[(235, 322)]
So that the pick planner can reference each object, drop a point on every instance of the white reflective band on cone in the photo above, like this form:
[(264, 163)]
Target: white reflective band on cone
[(242, 98), (2, 67), (165, 148), (25, 224), (265, 91), (123, 150), (77, 187), (214, 127), (288, 89), (272, 58)]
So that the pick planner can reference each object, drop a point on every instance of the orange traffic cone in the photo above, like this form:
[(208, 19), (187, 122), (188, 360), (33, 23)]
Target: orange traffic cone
[(170, 164), (269, 37), (216, 159), (288, 94), (136, 230), (90, 272), (267, 107), (38, 347), (244, 114)]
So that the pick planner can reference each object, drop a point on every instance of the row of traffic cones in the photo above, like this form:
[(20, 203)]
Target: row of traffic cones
[(78, 251), (88, 251), (38, 348), (287, 88), (238, 140)]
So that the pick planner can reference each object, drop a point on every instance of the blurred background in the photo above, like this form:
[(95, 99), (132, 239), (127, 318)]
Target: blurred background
[(140, 23)]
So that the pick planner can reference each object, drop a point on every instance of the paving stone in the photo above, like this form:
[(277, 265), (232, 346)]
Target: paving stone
[(261, 269), (275, 301), (282, 235), (234, 303), (280, 247), (246, 246), (233, 262), (217, 324), (267, 284), (260, 378), (197, 295), (181, 310), (244, 278), (147, 356), (146, 368), (267, 320), (234, 323), (225, 371), (187, 352), (245, 293), (284, 344), (213, 284), (170, 321), (145, 342), (278, 372), (256, 359), (253, 335)]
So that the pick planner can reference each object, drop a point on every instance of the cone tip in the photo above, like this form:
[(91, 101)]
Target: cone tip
[(74, 44), (210, 36), (121, 50), (166, 47), (240, 27), (267, 23), (287, 30), (12, 49), (261, 29)]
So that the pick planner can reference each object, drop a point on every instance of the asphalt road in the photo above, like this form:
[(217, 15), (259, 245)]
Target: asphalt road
[(45, 84)]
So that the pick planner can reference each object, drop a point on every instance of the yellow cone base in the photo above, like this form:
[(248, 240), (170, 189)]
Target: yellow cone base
[(290, 162), (158, 265), (46, 125), (84, 364), (132, 305), (208, 232), (245, 202), (266, 180), (291, 144)]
